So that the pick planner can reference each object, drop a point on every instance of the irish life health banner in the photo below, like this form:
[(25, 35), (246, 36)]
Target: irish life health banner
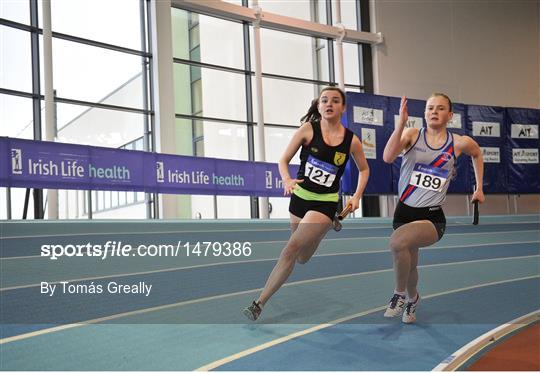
[(41, 164)]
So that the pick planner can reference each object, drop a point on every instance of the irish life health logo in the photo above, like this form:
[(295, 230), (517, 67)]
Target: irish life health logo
[(269, 183), (16, 162), (160, 174)]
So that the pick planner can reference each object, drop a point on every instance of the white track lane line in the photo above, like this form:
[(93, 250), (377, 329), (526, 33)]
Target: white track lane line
[(301, 333), (334, 239), (199, 300), (248, 261), (243, 230)]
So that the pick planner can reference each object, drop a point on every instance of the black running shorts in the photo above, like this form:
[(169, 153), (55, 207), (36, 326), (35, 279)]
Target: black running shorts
[(299, 207), (404, 214)]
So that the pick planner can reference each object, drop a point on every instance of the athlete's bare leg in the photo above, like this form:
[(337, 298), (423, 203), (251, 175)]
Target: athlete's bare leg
[(295, 221), (404, 244), (303, 242), (413, 274)]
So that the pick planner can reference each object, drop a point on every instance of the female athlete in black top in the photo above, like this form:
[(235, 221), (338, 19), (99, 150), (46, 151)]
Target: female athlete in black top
[(326, 145)]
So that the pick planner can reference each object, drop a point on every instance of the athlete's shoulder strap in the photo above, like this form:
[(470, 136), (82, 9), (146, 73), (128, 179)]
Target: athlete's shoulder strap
[(348, 138), (451, 139), (316, 125)]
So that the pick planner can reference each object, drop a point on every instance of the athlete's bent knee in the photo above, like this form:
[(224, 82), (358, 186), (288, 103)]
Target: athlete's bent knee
[(398, 244), (291, 252)]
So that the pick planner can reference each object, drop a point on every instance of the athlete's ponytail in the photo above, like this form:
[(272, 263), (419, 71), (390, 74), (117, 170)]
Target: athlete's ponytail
[(313, 114)]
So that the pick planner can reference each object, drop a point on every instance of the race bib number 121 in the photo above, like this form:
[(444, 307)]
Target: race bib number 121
[(320, 172)]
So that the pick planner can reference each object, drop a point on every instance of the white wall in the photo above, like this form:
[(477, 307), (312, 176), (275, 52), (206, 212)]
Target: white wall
[(476, 51)]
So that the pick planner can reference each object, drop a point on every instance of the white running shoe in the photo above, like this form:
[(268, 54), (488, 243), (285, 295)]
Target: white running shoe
[(409, 316), (395, 307)]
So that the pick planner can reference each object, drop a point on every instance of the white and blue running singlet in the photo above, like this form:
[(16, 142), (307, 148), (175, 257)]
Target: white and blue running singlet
[(425, 172)]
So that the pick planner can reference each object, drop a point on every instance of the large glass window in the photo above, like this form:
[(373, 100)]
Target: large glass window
[(294, 68), (320, 55), (225, 140), (319, 12), (221, 207), (16, 117), (99, 127), (285, 102), (348, 13), (223, 95), (82, 71), (211, 81), (350, 63), (233, 207), (15, 60), (276, 140), (185, 139), (3, 203), (287, 54), (219, 94), (209, 92), (99, 20), (296, 9), (18, 196), (15, 10), (87, 73), (189, 29)]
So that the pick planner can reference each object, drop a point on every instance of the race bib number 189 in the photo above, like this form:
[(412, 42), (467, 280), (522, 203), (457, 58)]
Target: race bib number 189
[(428, 177), (320, 172)]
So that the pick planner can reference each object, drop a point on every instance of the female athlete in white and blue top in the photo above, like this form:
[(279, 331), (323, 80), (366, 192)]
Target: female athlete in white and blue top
[(428, 164)]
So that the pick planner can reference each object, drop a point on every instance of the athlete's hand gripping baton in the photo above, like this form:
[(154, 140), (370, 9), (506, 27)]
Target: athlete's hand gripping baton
[(475, 213), (475, 210), (342, 215)]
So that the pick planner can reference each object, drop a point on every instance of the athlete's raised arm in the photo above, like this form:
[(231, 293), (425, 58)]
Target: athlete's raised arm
[(402, 137)]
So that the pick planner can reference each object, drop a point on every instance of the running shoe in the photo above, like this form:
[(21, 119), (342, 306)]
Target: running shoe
[(409, 316), (395, 307), (253, 311)]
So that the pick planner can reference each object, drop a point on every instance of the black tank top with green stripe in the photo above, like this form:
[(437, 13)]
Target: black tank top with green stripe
[(323, 165)]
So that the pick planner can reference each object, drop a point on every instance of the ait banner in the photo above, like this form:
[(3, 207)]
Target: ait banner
[(50, 165), (522, 145), (486, 125)]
